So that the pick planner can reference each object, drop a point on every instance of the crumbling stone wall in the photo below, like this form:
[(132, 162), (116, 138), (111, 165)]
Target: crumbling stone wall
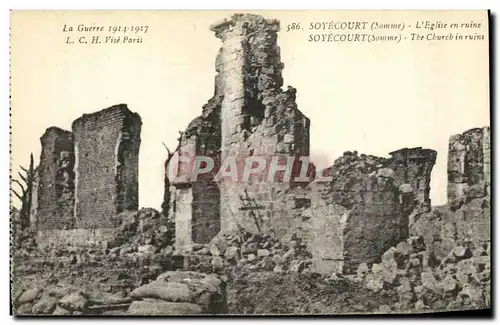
[(75, 237), (107, 150), (469, 165), (240, 120), (466, 219), (469, 186), (367, 206), (413, 167), (258, 118), (195, 204), (56, 177)]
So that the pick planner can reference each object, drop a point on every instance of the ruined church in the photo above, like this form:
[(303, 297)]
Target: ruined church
[(89, 175), (363, 211)]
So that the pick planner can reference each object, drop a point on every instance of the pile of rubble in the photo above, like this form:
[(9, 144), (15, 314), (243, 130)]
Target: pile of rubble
[(459, 281), (145, 231), (84, 272), (443, 227), (408, 279), (136, 254), (24, 243), (252, 252), (142, 233), (180, 293)]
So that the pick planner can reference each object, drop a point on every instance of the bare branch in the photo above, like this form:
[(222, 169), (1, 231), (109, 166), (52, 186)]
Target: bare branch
[(16, 194), (24, 170), (23, 177), (23, 189)]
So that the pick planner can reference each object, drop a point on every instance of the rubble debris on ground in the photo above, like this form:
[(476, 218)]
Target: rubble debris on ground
[(460, 281), (249, 251), (94, 280)]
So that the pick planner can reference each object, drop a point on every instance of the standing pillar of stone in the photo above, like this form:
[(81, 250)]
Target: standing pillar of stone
[(232, 61), (469, 184), (257, 119), (107, 162), (487, 158), (468, 165), (181, 193), (34, 200), (56, 187)]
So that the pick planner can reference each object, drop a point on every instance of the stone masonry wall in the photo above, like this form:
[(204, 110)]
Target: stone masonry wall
[(76, 237), (469, 185), (413, 167), (196, 204), (240, 117), (106, 148), (469, 164), (56, 180), (258, 118), (466, 219), (366, 208)]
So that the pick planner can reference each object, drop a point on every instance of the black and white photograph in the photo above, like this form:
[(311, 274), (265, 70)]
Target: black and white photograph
[(248, 163)]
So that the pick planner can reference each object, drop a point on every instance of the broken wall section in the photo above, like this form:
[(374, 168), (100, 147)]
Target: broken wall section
[(55, 193), (107, 149), (466, 219), (366, 208), (469, 166), (413, 167), (469, 185), (195, 205)]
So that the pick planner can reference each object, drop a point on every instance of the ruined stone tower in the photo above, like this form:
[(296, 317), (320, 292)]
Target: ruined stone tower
[(107, 153), (55, 193), (249, 115), (258, 118)]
